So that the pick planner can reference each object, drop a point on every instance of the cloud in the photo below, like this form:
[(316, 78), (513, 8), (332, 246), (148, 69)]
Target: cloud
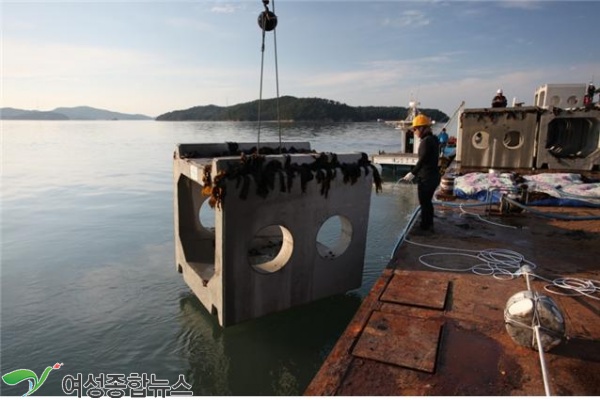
[(395, 82), (408, 18), (226, 8), (49, 75), (65, 62), (18, 25), (25, 59), (521, 4), (190, 24), (374, 75), (478, 90)]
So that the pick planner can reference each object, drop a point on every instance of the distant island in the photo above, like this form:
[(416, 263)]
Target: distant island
[(68, 113), (290, 109), (295, 109)]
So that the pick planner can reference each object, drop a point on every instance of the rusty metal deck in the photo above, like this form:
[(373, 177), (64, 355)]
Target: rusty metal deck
[(425, 331)]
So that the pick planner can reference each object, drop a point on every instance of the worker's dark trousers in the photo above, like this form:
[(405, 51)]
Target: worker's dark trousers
[(426, 189)]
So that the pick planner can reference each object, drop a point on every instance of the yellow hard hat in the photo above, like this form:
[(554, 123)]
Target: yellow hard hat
[(421, 120)]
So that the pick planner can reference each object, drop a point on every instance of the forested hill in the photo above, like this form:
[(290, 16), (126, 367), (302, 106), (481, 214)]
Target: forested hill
[(295, 109), (68, 113)]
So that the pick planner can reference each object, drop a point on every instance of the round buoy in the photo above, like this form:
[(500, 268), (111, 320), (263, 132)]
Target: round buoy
[(520, 318), (267, 20)]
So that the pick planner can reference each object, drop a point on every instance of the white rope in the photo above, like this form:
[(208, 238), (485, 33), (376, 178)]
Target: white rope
[(486, 220), (578, 287), (504, 264)]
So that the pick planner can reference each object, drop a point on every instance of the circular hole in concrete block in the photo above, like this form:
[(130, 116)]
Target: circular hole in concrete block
[(481, 140), (572, 101), (555, 100), (513, 139), (270, 249), (206, 215), (334, 237)]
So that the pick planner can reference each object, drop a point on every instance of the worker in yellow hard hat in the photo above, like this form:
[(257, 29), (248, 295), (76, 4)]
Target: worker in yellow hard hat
[(426, 171)]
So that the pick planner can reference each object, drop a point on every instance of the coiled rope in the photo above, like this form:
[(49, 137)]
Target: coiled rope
[(504, 264)]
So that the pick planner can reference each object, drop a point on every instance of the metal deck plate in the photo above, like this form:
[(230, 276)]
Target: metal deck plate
[(416, 290), (403, 341)]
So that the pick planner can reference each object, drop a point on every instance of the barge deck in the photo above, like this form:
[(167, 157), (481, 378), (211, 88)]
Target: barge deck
[(439, 329)]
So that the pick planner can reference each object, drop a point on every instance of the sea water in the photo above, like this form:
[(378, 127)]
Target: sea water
[(88, 275)]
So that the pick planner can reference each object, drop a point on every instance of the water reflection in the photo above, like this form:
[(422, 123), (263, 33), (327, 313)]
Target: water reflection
[(266, 356)]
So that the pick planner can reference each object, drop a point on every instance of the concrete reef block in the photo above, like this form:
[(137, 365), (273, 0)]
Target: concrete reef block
[(498, 138), (569, 139), (279, 239), (560, 95)]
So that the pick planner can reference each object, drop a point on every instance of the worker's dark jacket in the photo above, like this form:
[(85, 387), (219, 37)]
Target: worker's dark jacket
[(426, 168), (499, 101)]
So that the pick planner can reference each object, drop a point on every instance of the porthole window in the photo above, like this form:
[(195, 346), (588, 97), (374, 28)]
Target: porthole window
[(513, 139), (481, 140), (270, 249), (572, 101), (206, 215), (334, 237)]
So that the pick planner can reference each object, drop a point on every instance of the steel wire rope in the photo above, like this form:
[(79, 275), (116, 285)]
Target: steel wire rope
[(262, 63), (262, 67), (277, 80)]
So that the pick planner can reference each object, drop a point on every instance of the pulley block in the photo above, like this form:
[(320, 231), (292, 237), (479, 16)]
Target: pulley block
[(267, 21)]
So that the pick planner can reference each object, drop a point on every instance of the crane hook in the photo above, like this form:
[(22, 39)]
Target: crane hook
[(267, 20)]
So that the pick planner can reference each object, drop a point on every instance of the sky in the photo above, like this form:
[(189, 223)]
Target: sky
[(152, 57)]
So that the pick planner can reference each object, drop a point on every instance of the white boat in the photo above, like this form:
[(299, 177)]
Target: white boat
[(407, 155), (406, 123)]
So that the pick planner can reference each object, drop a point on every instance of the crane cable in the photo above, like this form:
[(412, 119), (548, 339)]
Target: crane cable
[(267, 21)]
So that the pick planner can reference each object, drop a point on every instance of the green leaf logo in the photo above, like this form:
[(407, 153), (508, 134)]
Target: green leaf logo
[(20, 375)]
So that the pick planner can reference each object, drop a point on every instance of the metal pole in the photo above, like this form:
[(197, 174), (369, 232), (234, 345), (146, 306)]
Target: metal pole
[(453, 115), (536, 329), (527, 279)]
